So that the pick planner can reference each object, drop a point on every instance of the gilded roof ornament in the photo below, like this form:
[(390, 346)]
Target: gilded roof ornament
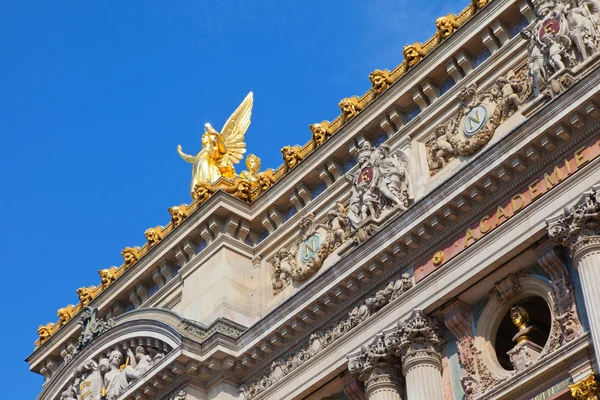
[(130, 255), (320, 132), (265, 180), (478, 4), (253, 165), (380, 80), (413, 53), (220, 151), (240, 188), (108, 276), (291, 156), (446, 26), (65, 314), (178, 214), (350, 107), (86, 295), (202, 191), (154, 235), (45, 331)]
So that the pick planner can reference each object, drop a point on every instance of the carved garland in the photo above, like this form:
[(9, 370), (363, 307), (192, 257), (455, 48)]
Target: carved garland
[(319, 341)]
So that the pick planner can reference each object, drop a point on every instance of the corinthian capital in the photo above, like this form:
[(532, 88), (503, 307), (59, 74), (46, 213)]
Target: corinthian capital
[(375, 364), (419, 339), (578, 225)]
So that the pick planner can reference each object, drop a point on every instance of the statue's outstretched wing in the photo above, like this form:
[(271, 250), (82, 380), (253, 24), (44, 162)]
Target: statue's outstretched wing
[(234, 130)]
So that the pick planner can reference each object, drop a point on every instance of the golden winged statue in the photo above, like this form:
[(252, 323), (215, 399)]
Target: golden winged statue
[(221, 150)]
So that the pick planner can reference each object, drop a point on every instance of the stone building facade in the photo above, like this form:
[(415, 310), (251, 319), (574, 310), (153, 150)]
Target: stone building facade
[(438, 240)]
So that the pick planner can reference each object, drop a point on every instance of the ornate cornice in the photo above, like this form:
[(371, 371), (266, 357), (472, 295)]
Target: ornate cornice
[(579, 226)]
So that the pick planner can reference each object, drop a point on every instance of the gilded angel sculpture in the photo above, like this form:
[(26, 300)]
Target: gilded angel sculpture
[(221, 150)]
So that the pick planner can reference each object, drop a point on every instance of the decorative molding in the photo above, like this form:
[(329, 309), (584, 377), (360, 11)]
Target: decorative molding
[(578, 227), (321, 340), (225, 327)]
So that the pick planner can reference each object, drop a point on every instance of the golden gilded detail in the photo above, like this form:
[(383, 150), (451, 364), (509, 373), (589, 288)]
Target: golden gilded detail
[(253, 165), (350, 107), (438, 258), (220, 151), (446, 26), (291, 156), (108, 276), (265, 180), (520, 318), (130, 255), (380, 80), (202, 191), (65, 314), (413, 53), (45, 331), (154, 235), (478, 4), (320, 132), (178, 214), (86, 295), (585, 389)]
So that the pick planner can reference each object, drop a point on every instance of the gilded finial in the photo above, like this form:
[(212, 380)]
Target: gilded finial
[(520, 318), (178, 214), (154, 235), (130, 255)]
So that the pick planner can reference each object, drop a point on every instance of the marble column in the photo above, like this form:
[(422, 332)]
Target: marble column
[(578, 229), (419, 347), (378, 368)]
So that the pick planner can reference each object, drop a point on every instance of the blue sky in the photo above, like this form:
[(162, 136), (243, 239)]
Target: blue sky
[(95, 96)]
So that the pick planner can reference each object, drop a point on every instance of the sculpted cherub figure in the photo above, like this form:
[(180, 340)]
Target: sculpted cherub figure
[(337, 225), (413, 53), (446, 26), (153, 235), (380, 80), (350, 107), (45, 331), (130, 255), (108, 276), (320, 132), (86, 295), (291, 156), (65, 314), (202, 191), (442, 150), (508, 87), (178, 214)]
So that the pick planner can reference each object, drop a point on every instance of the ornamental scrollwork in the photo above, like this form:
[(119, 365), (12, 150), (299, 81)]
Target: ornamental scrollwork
[(319, 340), (316, 242), (480, 114), (381, 184), (564, 37), (91, 327)]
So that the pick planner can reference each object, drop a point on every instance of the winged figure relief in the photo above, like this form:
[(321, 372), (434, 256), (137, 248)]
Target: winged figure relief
[(220, 151)]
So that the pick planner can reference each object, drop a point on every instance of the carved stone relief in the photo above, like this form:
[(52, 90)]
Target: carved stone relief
[(316, 241), (319, 341), (480, 114), (381, 184), (107, 378), (91, 327), (565, 35)]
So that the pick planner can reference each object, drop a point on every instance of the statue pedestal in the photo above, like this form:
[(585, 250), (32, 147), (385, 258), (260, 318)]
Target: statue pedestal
[(524, 354)]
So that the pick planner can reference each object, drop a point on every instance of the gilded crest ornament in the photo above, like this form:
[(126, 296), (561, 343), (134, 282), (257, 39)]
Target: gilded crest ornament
[(320, 132), (130, 255), (65, 314), (350, 108), (220, 151), (380, 80), (108, 276), (178, 214), (154, 235)]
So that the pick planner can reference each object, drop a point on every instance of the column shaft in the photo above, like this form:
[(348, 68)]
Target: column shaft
[(587, 262), (386, 391), (424, 382)]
